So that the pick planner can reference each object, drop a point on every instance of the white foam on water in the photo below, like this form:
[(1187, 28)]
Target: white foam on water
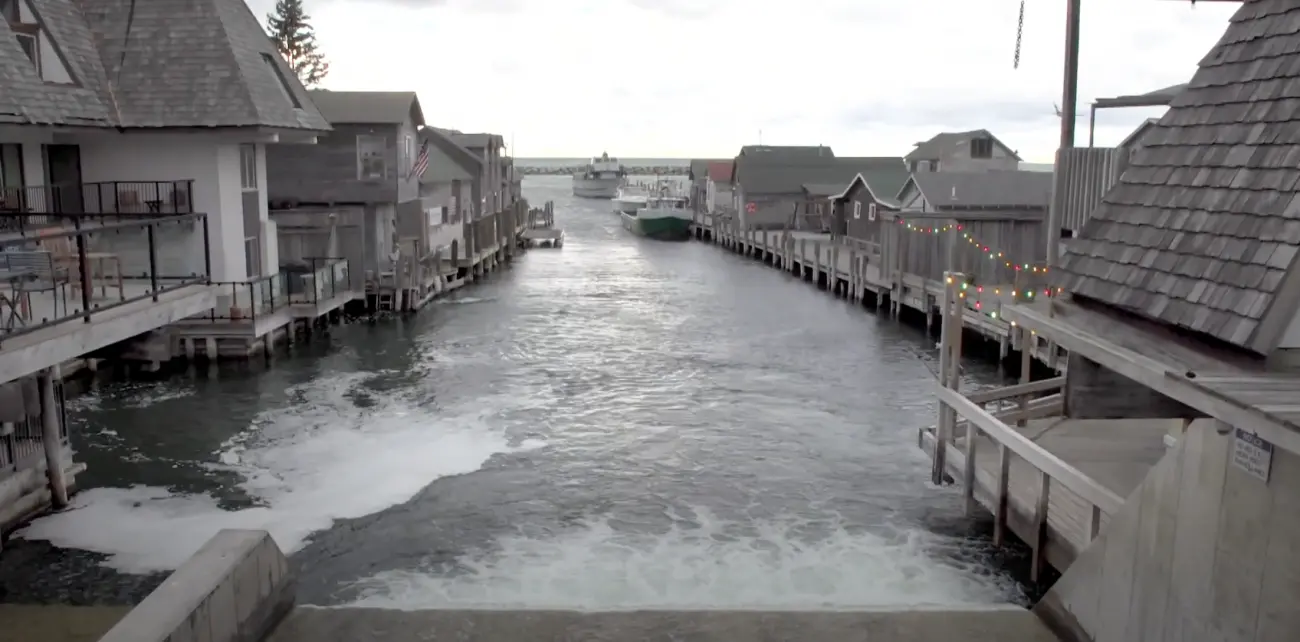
[(772, 565), (308, 464)]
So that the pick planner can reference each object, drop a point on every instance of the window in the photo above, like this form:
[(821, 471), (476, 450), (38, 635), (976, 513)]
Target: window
[(408, 151), (372, 158), (248, 167), (857, 209), (28, 43), (981, 148), (871, 212), (281, 80), (253, 256)]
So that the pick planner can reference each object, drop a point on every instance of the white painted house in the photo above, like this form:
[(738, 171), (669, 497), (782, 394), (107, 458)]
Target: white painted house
[(158, 131)]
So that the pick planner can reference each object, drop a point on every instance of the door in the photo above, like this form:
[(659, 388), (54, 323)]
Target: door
[(63, 163)]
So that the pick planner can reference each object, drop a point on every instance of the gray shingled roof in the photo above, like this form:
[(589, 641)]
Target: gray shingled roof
[(822, 190), (884, 176), (1202, 229), (785, 153), (785, 170), (468, 161), (473, 141), (365, 107), (993, 190), (187, 63), (945, 142)]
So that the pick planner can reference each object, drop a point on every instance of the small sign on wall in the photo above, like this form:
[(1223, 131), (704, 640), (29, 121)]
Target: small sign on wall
[(1253, 454)]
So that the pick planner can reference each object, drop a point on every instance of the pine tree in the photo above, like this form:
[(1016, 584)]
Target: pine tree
[(291, 30)]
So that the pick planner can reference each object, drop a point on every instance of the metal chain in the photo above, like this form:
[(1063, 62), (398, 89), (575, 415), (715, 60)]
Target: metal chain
[(1020, 32)]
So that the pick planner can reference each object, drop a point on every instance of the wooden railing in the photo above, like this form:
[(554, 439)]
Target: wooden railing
[(969, 412)]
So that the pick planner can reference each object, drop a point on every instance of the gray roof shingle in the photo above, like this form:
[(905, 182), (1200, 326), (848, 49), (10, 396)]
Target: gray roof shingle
[(1201, 229), (945, 142), (785, 170), (1000, 190), (473, 141), (468, 161), (368, 107), (186, 63)]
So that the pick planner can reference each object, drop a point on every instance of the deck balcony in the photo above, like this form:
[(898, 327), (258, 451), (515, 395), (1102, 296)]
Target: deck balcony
[(145, 198), (73, 283)]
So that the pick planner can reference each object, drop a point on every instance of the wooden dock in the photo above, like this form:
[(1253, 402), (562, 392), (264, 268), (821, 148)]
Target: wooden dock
[(854, 271), (1052, 481), (540, 230)]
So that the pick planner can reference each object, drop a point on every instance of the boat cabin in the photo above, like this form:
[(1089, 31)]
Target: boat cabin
[(604, 167), (666, 203)]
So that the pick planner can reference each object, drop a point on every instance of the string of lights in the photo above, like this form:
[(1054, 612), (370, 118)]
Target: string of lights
[(985, 248)]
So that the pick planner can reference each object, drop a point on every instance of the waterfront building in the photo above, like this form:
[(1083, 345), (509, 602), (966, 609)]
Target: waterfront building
[(132, 175)]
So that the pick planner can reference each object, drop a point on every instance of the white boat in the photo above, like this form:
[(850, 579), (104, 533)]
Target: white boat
[(664, 218), (601, 178)]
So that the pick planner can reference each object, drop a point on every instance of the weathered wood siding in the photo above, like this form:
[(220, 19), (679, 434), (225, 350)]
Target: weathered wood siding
[(862, 227), (772, 212), (930, 254), (1094, 392), (1083, 176), (327, 172), (363, 235)]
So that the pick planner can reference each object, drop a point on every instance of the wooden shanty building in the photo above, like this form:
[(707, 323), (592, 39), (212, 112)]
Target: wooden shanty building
[(1084, 174), (859, 207), (1161, 474), (790, 188), (987, 225)]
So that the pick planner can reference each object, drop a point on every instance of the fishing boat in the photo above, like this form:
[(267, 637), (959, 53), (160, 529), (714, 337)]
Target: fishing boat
[(600, 179), (664, 218)]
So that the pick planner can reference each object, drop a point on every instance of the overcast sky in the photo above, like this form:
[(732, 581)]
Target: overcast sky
[(700, 78)]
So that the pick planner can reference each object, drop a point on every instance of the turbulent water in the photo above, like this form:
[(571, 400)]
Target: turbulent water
[(622, 423)]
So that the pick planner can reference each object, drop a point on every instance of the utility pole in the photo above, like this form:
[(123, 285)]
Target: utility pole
[(1069, 104)]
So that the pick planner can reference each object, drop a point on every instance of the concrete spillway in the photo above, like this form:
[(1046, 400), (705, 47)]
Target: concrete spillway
[(240, 588), (378, 625)]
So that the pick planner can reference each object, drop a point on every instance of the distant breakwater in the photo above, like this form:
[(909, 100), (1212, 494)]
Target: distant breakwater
[(636, 170)]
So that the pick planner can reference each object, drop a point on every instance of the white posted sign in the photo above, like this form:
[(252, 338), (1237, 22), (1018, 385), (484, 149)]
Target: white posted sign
[(1252, 454)]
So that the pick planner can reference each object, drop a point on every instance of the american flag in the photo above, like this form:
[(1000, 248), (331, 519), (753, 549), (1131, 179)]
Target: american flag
[(421, 161)]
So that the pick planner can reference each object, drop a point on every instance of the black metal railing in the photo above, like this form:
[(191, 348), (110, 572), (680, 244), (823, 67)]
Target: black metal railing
[(249, 300), (317, 279), (135, 198), (67, 271)]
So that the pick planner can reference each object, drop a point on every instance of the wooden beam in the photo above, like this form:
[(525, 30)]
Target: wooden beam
[(1038, 457), (1156, 376), (999, 394)]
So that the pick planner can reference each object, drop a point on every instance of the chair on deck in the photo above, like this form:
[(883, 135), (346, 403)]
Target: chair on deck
[(42, 274)]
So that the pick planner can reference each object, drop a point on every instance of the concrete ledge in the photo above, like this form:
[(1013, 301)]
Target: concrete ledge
[(235, 589), (880, 625)]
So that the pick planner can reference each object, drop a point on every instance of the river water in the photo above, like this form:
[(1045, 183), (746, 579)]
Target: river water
[(622, 423)]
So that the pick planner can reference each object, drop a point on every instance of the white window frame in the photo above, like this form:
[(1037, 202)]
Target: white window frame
[(248, 167), (376, 157), (871, 212), (857, 209)]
